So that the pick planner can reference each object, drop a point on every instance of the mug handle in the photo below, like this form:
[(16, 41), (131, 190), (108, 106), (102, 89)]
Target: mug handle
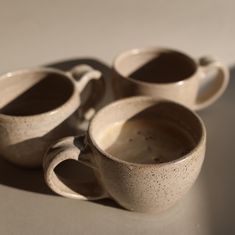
[(219, 83), (74, 148), (83, 74)]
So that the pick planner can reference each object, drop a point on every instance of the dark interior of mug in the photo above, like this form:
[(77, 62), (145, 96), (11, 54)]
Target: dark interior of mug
[(155, 66), (33, 92), (145, 131)]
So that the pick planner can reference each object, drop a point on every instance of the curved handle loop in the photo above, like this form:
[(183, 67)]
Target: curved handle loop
[(217, 86), (83, 74), (65, 149)]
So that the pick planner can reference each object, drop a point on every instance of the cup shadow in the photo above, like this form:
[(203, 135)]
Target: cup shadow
[(157, 68), (25, 179), (32, 179), (218, 169), (96, 64)]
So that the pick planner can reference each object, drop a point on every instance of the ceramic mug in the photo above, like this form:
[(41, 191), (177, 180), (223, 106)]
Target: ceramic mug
[(144, 187), (169, 74), (38, 106)]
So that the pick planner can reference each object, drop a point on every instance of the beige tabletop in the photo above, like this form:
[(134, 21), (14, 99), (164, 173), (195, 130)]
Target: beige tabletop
[(64, 33)]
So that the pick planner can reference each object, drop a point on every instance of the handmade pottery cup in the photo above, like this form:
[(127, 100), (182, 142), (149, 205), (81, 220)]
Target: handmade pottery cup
[(37, 107), (169, 74), (145, 187)]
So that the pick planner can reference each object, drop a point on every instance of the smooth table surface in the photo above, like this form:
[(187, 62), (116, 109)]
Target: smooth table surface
[(35, 33)]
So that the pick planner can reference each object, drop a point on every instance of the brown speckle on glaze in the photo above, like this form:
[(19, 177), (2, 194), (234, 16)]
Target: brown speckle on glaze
[(147, 187), (37, 107)]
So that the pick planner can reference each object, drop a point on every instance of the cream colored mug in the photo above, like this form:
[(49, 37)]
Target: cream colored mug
[(38, 106), (146, 154), (169, 74)]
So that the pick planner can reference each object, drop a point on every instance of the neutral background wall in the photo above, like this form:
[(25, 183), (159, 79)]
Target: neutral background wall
[(36, 32)]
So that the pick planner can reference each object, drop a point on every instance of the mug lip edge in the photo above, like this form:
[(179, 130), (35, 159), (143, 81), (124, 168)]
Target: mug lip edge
[(153, 49), (42, 114), (110, 157)]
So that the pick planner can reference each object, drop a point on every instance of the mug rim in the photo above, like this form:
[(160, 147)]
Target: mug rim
[(140, 50), (48, 70), (108, 156)]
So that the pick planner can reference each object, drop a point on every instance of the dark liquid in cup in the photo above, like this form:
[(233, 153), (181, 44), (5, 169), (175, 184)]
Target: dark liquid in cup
[(166, 67)]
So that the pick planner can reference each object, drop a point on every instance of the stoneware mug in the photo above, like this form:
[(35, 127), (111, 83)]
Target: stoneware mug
[(169, 74), (145, 187), (37, 107)]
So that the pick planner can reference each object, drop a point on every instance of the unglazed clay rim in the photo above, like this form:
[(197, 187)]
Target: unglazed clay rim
[(135, 51), (146, 98), (35, 70)]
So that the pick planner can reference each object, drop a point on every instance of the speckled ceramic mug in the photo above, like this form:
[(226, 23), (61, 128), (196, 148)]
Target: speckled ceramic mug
[(147, 187), (169, 74), (38, 106)]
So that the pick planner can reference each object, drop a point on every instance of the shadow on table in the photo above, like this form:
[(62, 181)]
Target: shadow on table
[(24, 179), (218, 171)]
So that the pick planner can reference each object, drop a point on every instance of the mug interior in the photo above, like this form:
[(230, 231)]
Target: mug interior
[(143, 131), (155, 65), (33, 92)]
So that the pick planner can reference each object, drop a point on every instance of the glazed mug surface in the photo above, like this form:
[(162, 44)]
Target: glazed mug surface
[(161, 169), (39, 106), (169, 74)]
